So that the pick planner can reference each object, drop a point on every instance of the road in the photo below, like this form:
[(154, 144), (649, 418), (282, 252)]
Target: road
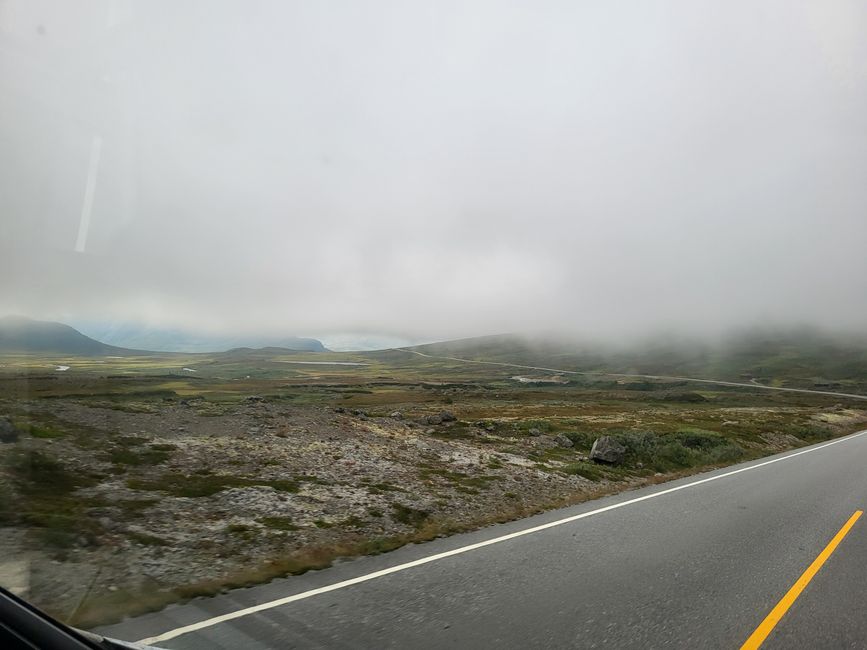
[(694, 563), (593, 373)]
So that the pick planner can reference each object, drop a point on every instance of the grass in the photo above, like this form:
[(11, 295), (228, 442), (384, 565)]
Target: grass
[(408, 515), (43, 432), (147, 456), (459, 479), (198, 485)]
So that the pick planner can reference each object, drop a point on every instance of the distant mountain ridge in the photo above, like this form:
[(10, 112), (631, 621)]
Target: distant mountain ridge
[(21, 334), (142, 337)]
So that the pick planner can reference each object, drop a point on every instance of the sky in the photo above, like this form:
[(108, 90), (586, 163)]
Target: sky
[(431, 170)]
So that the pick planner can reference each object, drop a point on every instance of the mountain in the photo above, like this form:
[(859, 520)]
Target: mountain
[(20, 334), (142, 337)]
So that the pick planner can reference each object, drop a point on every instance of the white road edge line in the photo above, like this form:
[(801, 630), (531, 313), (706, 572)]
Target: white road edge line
[(465, 549)]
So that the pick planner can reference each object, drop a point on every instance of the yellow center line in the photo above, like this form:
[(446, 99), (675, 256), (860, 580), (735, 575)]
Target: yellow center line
[(762, 631)]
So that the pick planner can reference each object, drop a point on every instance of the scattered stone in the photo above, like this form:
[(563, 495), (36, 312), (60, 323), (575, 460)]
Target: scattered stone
[(534, 432), (253, 399), (447, 416), (781, 441), (607, 450), (340, 409), (397, 415), (432, 419)]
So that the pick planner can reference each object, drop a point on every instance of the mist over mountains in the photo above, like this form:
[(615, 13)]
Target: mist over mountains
[(21, 334), (808, 355), (143, 337)]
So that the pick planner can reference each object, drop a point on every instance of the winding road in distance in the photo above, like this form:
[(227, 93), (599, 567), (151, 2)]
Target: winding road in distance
[(770, 551), (600, 373)]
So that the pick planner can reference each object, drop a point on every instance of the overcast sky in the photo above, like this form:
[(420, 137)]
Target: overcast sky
[(434, 169)]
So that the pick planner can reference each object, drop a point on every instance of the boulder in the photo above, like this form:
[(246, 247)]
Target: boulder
[(432, 419), (447, 416), (563, 441), (397, 415), (8, 432), (607, 450), (534, 432)]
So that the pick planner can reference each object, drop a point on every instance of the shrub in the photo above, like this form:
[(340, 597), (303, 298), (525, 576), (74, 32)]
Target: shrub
[(677, 451), (581, 439)]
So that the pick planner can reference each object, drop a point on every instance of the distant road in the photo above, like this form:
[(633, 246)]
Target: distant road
[(699, 562), (716, 382)]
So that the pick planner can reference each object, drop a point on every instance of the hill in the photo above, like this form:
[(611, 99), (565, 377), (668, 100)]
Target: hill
[(20, 334), (805, 356)]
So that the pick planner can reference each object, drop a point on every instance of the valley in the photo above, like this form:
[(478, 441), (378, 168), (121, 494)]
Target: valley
[(132, 481)]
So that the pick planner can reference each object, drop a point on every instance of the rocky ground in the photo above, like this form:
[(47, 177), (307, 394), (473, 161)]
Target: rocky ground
[(182, 498), (172, 499)]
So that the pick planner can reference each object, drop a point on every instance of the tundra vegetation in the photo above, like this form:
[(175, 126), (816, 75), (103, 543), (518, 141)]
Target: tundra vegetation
[(129, 483)]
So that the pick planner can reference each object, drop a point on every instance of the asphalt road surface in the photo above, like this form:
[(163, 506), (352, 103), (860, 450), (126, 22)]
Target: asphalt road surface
[(694, 563)]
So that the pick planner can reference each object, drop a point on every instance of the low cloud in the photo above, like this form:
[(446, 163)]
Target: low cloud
[(433, 171)]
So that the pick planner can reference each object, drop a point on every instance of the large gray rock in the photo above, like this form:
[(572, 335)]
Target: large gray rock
[(8, 432), (447, 416), (607, 450)]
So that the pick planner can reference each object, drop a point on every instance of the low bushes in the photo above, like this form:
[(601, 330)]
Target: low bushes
[(677, 450)]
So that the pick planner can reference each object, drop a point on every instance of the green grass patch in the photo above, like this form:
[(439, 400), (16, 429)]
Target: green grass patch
[(587, 470)]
